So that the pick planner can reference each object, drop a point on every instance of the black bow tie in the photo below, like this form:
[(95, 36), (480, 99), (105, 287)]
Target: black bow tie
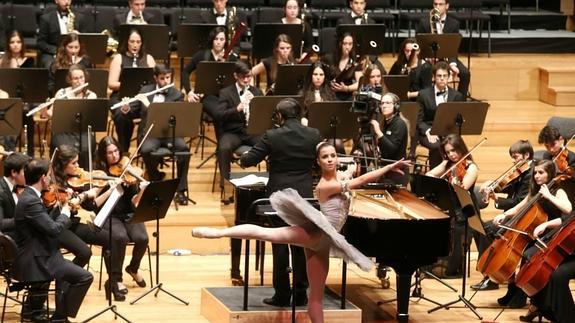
[(439, 93), (136, 17), (63, 13), (220, 15), (443, 21), (358, 17)]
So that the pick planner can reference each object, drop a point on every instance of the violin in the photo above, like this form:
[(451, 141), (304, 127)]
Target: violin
[(508, 176), (459, 169), (58, 196), (561, 159), (131, 175), (81, 178)]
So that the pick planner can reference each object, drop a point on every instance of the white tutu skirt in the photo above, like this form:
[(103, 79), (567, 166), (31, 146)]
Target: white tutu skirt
[(296, 211)]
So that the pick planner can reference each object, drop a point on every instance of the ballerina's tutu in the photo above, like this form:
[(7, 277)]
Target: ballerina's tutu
[(296, 211)]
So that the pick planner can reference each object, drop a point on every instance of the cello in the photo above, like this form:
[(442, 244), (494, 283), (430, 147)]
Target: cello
[(535, 274), (501, 259)]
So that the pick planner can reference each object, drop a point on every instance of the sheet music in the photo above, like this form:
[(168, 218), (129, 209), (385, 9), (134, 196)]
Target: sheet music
[(108, 206), (250, 180)]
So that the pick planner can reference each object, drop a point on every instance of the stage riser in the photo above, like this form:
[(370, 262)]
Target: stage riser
[(557, 85)]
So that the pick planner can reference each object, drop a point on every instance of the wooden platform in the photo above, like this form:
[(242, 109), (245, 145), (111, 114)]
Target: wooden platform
[(225, 305)]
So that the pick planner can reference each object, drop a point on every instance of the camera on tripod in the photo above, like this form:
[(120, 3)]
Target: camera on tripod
[(366, 103)]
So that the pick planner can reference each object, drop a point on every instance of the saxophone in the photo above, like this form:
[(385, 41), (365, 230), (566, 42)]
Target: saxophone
[(231, 25), (71, 19)]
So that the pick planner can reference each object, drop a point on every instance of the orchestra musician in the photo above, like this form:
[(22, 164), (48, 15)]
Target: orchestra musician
[(55, 23), (408, 63), (447, 25), (290, 150), (136, 16), (222, 15), (70, 52), (357, 14), (108, 156), (428, 99), (554, 144), (516, 190), (346, 69), (76, 77), (162, 77), (132, 53), (15, 53), (317, 88), (39, 258), (231, 119), (453, 149), (10, 184), (309, 227), (283, 54), (557, 207), (292, 16)]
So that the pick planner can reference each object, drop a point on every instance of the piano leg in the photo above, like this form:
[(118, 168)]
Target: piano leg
[(403, 289)]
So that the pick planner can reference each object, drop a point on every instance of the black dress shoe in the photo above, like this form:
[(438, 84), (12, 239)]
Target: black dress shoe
[(532, 313), (181, 198), (512, 289), (141, 283), (276, 301), (485, 284), (301, 301)]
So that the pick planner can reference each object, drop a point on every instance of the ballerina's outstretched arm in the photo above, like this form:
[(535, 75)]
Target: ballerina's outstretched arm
[(295, 235)]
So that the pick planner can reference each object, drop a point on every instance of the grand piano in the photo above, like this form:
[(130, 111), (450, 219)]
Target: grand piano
[(404, 231)]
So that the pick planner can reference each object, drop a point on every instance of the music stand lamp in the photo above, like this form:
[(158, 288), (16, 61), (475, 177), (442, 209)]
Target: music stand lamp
[(74, 115), (95, 45), (164, 116), (196, 38), (211, 77), (468, 210), (369, 39), (333, 119), (153, 206), (10, 117), (262, 112), (30, 85), (290, 79), (157, 35)]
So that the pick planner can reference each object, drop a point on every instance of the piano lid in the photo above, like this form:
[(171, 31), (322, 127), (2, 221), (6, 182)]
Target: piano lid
[(399, 204)]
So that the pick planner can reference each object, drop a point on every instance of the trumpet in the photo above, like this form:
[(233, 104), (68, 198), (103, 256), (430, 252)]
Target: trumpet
[(434, 18), (134, 99)]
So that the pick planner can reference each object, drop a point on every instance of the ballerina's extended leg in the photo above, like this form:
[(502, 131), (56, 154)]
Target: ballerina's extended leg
[(286, 235)]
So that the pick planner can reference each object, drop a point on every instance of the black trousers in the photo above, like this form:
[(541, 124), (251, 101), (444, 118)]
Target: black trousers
[(122, 233), (124, 123), (555, 300), (152, 162), (228, 142), (76, 240), (434, 152), (72, 283)]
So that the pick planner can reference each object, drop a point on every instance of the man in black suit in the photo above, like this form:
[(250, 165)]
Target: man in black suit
[(231, 115), (13, 179), (357, 16), (52, 25), (447, 25), (163, 77), (428, 99), (39, 258), (291, 152), (221, 15), (136, 16)]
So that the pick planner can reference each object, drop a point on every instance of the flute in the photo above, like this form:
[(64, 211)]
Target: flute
[(51, 101), (134, 99)]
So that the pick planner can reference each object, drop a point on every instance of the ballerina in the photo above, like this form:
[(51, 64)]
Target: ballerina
[(316, 231)]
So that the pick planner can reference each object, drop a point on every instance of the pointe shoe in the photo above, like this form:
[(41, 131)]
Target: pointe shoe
[(532, 313), (137, 277), (204, 232)]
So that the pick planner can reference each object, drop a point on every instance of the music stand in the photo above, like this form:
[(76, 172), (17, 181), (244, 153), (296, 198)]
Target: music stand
[(262, 110), (192, 38), (463, 118), (155, 36), (333, 119), (74, 115), (266, 34), (133, 78), (469, 211), (164, 117), (94, 45), (397, 84), (369, 39), (290, 79), (153, 205), (211, 77), (29, 84), (438, 45), (98, 80), (10, 117)]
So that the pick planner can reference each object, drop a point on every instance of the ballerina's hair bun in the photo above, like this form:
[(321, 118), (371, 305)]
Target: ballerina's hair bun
[(322, 145)]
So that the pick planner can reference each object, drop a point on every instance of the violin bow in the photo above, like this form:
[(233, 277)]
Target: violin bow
[(463, 158), (51, 173), (90, 166), (136, 152)]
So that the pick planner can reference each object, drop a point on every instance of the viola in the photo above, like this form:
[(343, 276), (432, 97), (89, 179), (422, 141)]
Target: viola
[(501, 259), (458, 172), (131, 176), (56, 195), (82, 178), (535, 274), (509, 176)]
